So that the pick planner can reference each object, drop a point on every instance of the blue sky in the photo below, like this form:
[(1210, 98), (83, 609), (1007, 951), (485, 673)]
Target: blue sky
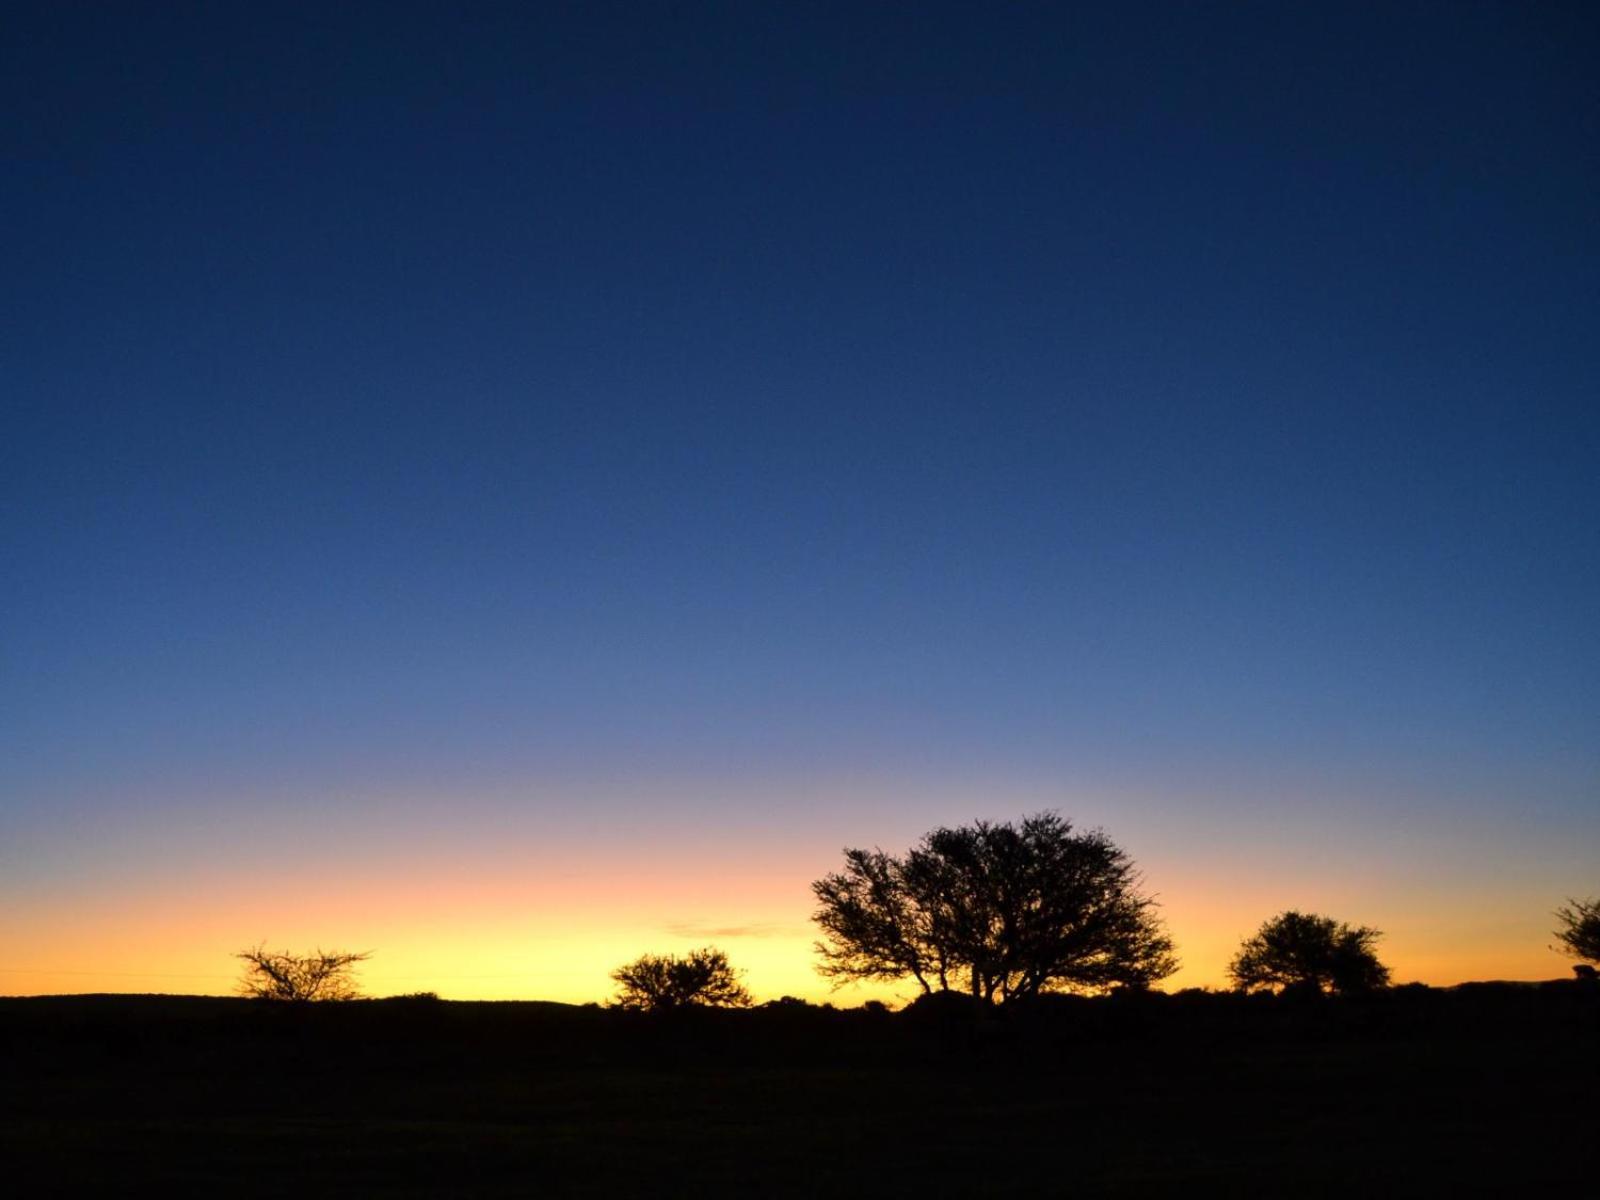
[(1192, 398)]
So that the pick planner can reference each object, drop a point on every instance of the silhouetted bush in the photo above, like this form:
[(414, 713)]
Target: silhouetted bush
[(786, 1003), (948, 1006), (659, 982), (1304, 955), (1579, 934), (299, 978)]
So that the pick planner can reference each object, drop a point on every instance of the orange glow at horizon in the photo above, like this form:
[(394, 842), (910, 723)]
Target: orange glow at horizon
[(490, 898), (505, 938)]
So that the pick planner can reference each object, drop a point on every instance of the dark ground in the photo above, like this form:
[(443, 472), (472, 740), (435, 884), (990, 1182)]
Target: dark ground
[(1487, 1089)]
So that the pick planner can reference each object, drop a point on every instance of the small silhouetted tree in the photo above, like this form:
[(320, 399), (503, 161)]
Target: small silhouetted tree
[(1579, 934), (999, 911), (279, 975), (656, 982), (1303, 952)]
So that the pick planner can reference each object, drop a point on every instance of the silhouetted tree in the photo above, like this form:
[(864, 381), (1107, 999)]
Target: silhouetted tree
[(999, 911), (1579, 934), (278, 975), (1305, 952), (656, 982)]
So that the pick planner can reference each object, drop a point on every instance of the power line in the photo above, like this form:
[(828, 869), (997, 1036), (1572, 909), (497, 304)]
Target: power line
[(196, 975), (112, 974)]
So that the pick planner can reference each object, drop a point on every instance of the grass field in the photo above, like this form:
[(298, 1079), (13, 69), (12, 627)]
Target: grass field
[(1486, 1090)]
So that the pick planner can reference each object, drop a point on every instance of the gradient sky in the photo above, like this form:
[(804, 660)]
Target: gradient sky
[(512, 487)]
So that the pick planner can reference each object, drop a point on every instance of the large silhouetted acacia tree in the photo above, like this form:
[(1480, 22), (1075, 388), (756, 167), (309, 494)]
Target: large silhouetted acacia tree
[(655, 982), (1306, 953), (1579, 934), (1001, 911), (320, 975)]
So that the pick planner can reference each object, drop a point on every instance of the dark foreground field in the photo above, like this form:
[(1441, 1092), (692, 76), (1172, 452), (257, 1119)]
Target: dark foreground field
[(1486, 1090)]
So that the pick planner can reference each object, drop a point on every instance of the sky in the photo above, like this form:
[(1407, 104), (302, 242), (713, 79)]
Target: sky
[(513, 487)]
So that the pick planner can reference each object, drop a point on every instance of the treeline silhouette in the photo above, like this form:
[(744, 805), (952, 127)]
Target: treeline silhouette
[(1286, 1088), (1403, 1090), (63, 1029)]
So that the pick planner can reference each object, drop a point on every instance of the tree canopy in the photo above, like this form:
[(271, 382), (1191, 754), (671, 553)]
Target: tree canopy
[(1579, 934), (279, 975), (1306, 952), (1001, 911), (655, 982)]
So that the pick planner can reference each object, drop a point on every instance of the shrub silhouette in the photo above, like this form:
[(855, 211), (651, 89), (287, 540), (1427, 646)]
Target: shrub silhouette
[(1579, 934), (657, 982), (1303, 952), (998, 911), (300, 978)]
